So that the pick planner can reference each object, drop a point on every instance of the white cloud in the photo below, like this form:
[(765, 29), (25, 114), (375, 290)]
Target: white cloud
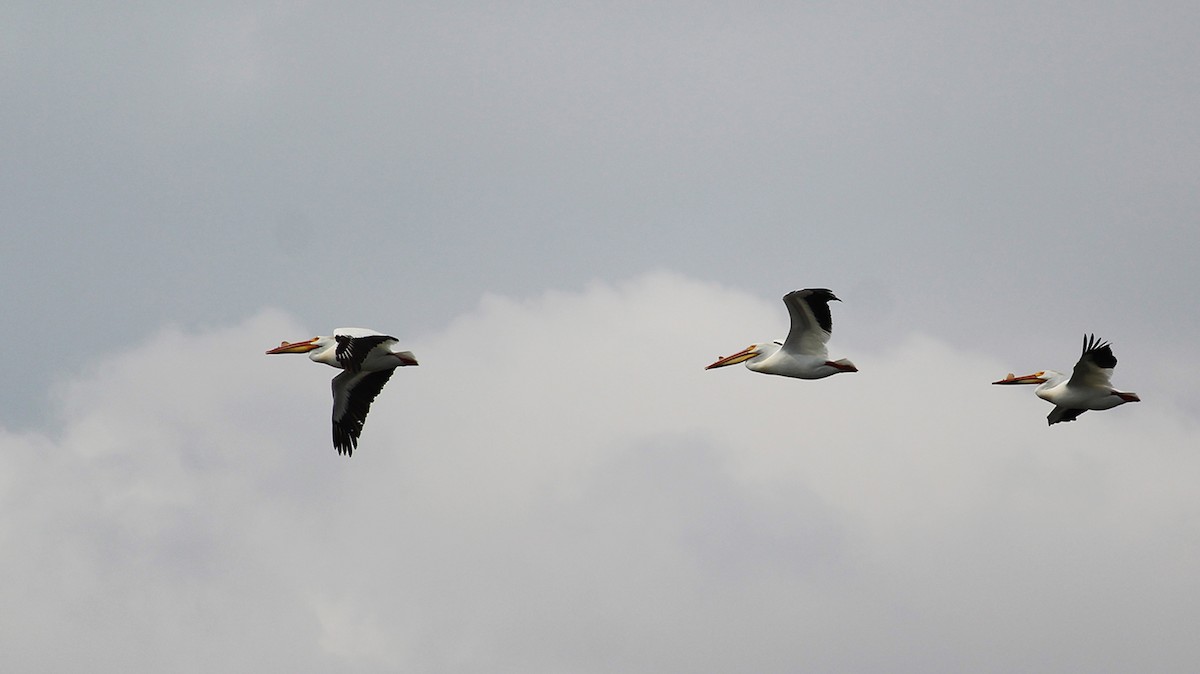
[(561, 487)]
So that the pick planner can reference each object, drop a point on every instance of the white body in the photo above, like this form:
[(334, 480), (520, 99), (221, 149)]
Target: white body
[(780, 361), (1089, 387), (379, 357), (803, 355), (367, 361), (1059, 390)]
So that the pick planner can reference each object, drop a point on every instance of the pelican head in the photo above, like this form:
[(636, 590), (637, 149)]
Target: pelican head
[(749, 353)]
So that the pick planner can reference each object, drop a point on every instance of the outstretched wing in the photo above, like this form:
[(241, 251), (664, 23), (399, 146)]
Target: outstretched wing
[(812, 323), (353, 393), (352, 351), (1095, 366)]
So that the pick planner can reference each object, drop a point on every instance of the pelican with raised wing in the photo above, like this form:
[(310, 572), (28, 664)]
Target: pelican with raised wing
[(803, 354), (367, 361), (1088, 388)]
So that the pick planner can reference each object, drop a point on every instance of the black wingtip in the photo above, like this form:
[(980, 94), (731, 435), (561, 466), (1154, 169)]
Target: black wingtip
[(820, 294), (1099, 351), (1092, 343), (817, 300), (344, 440)]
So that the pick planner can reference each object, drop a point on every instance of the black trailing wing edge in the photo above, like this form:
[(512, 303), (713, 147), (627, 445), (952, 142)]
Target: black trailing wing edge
[(359, 398)]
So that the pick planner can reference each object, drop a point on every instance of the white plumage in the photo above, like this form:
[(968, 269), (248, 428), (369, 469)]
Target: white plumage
[(1088, 388), (803, 354), (367, 361)]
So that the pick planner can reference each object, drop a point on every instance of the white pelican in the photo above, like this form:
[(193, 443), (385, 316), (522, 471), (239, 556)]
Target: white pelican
[(803, 353), (1088, 388), (367, 360)]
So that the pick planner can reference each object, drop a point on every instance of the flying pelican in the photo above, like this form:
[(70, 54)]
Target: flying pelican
[(367, 360), (1088, 388), (803, 353)]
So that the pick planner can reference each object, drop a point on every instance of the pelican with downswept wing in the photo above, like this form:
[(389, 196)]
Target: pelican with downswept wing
[(367, 360)]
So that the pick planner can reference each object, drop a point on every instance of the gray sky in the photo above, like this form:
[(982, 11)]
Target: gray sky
[(566, 212)]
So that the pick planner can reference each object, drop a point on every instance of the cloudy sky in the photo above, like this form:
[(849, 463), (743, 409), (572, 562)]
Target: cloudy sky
[(566, 210)]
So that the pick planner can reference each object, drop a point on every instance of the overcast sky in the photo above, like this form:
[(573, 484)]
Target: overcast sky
[(566, 210)]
